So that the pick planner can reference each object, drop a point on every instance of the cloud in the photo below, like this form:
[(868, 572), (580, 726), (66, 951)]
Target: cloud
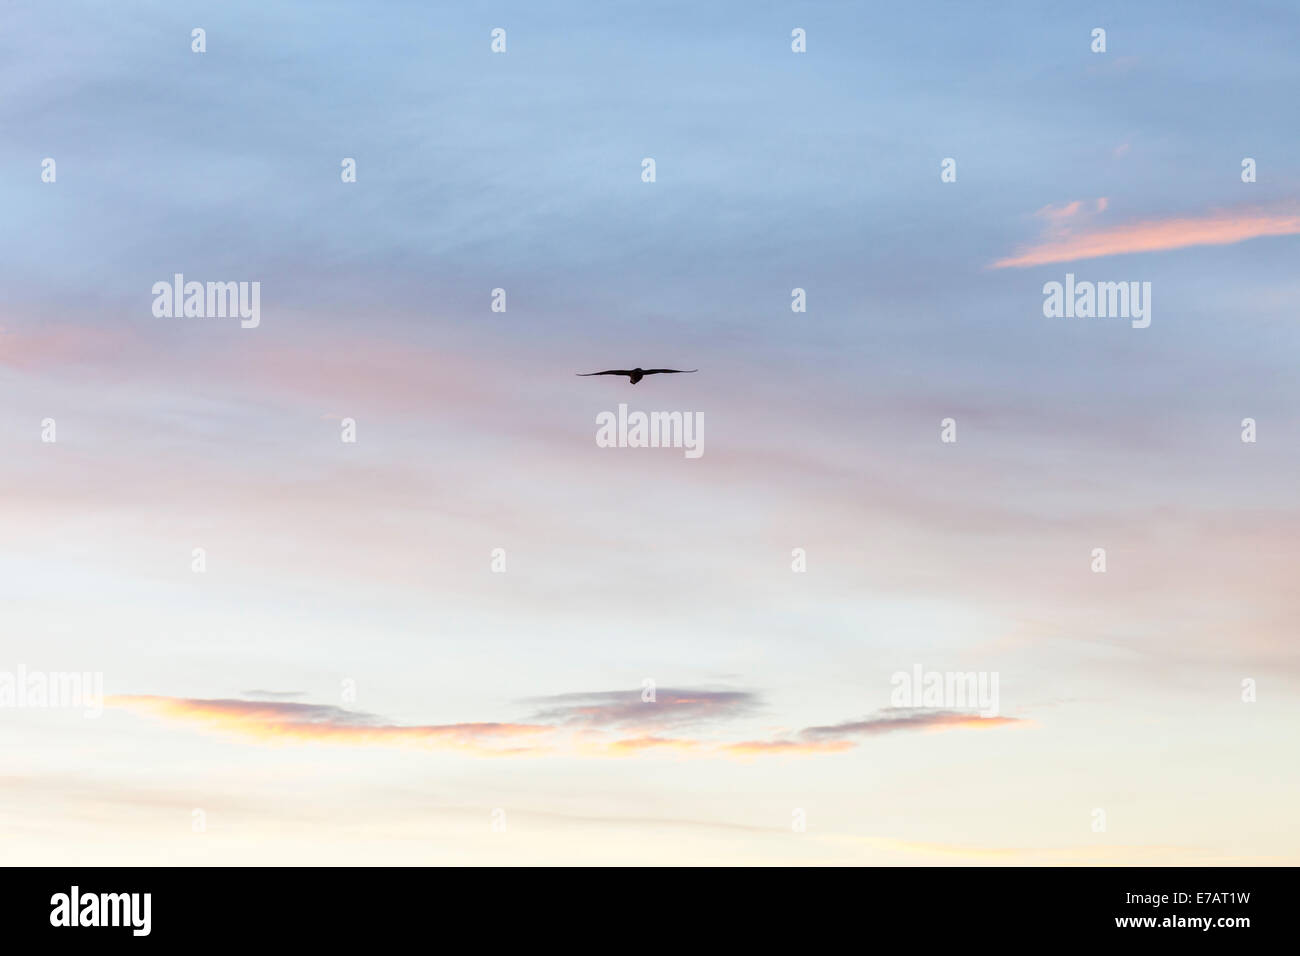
[(1059, 214), (293, 722), (837, 738), (625, 709), (1152, 235), (893, 720), (752, 748), (602, 723), (634, 745)]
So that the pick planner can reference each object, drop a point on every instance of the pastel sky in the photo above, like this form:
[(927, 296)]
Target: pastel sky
[(349, 682)]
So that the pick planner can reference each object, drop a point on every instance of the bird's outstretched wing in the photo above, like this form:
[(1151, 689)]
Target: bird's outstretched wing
[(612, 371), (655, 371)]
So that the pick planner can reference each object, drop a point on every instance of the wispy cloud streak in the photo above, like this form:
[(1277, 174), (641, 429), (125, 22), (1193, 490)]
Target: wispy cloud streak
[(894, 720), (1152, 235), (836, 738), (590, 724), (273, 721), (623, 709)]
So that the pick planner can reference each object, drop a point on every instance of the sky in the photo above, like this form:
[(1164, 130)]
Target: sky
[(474, 636)]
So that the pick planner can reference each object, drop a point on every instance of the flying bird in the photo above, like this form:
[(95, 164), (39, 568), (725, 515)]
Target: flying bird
[(636, 374)]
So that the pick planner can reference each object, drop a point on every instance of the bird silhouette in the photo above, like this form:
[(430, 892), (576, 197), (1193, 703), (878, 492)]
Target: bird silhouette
[(636, 374)]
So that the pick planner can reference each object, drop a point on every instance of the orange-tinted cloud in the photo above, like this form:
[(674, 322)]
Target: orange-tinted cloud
[(279, 721), (756, 748), (1152, 235), (273, 721), (634, 745)]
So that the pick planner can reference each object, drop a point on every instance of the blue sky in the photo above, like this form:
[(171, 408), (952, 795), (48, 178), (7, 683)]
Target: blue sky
[(368, 562)]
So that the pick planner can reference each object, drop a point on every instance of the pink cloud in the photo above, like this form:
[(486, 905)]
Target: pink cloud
[(1059, 214), (1154, 235)]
